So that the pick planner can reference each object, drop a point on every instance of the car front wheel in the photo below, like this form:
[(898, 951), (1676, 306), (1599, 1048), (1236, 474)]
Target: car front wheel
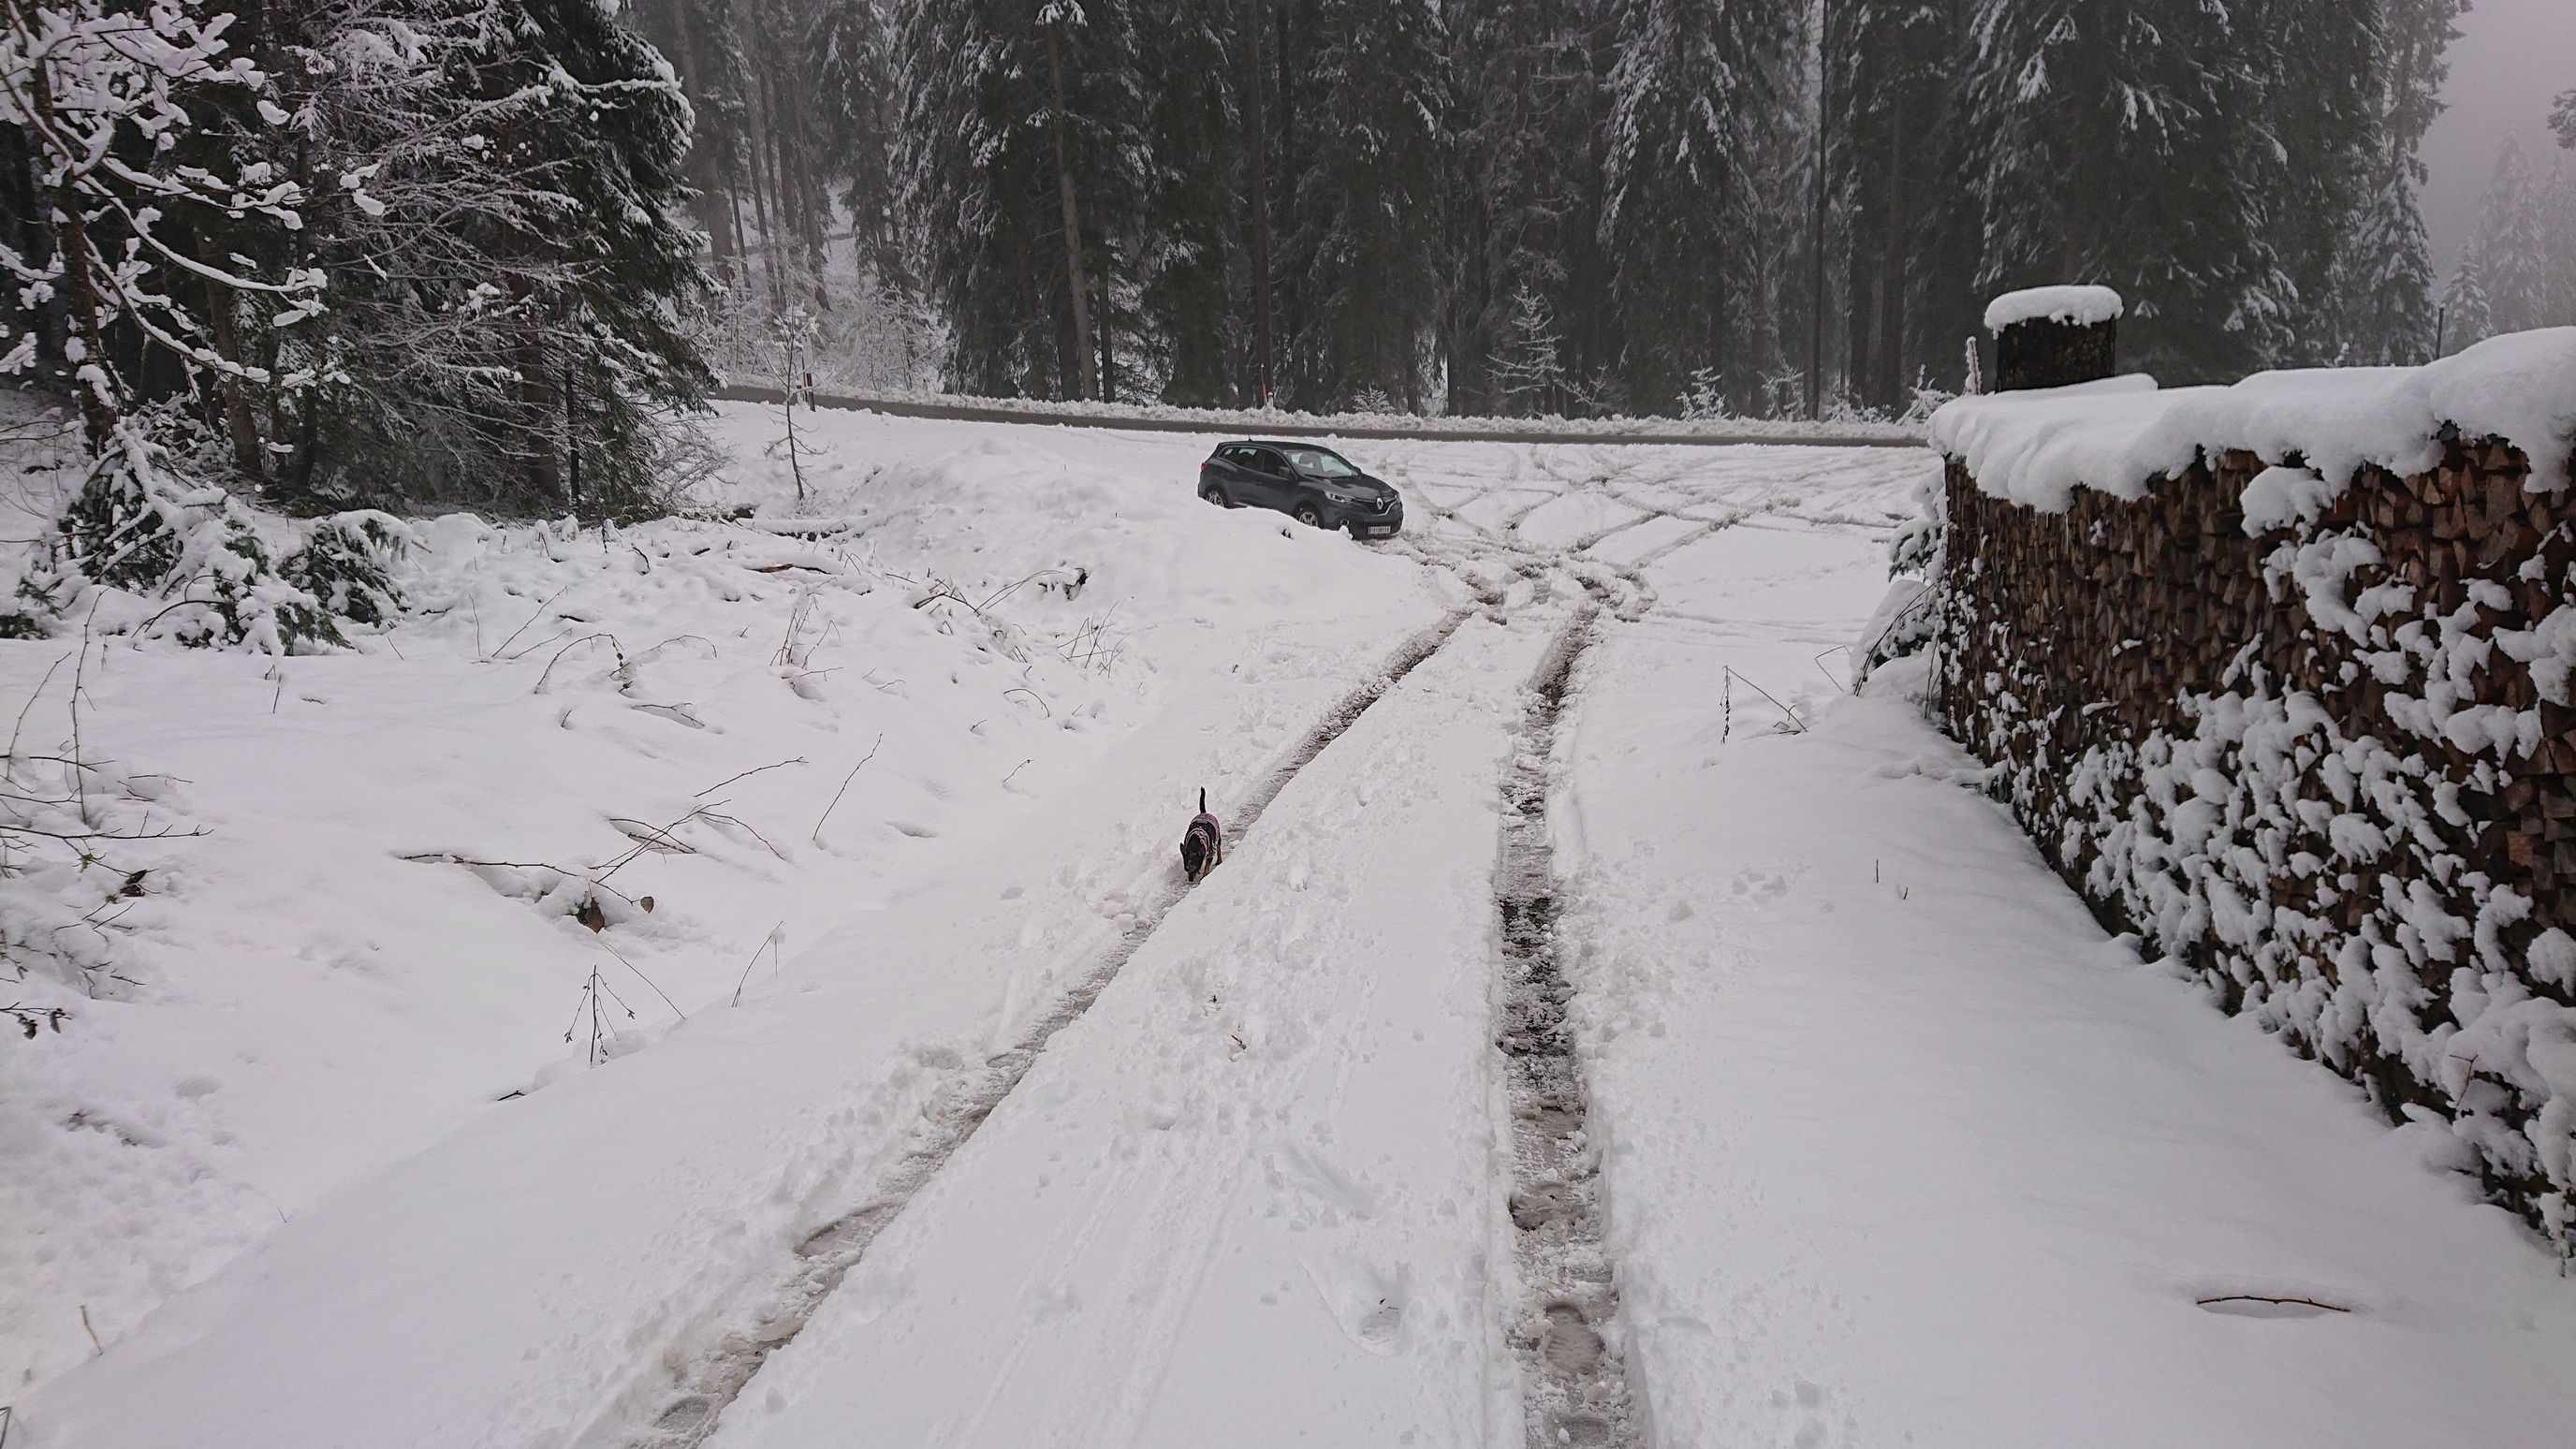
[(1216, 495), (1309, 515)]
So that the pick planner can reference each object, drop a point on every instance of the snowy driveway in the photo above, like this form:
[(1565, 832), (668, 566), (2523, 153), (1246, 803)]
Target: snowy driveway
[(1888, 1144)]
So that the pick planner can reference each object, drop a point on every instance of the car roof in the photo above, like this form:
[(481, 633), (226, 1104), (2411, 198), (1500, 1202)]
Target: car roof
[(1275, 443)]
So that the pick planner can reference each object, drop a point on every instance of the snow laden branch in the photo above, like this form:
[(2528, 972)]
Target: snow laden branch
[(105, 99), (485, 193), (102, 97)]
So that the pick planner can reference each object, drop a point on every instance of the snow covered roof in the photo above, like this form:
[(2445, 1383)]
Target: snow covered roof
[(2083, 306), (2036, 447)]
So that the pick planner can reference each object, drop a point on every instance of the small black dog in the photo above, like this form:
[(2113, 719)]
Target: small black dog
[(1203, 844)]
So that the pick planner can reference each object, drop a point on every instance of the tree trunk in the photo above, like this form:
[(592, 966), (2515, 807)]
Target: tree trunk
[(787, 179), (1282, 99), (1891, 275), (739, 271), (701, 162), (80, 287), (1085, 383), (248, 454), (1108, 345), (536, 414), (1864, 233), (308, 435), (763, 211), (1816, 223), (1265, 343), (572, 443)]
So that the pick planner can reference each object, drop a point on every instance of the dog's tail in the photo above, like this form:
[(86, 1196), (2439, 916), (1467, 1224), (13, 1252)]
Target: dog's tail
[(1203, 799)]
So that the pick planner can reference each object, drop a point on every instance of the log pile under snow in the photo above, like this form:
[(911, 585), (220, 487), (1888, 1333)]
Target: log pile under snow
[(2279, 677)]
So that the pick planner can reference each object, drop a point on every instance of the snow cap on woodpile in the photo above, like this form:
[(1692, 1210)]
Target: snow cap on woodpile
[(2075, 306), (2119, 434)]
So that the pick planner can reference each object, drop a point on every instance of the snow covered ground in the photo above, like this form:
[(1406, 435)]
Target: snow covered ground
[(1011, 1140)]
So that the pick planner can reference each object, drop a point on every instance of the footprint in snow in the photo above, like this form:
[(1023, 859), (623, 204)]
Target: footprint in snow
[(1367, 1302), (1759, 885)]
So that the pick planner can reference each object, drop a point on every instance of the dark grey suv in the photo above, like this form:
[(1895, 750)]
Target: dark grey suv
[(1316, 486)]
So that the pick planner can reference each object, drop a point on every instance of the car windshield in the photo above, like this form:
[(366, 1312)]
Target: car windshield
[(1320, 463)]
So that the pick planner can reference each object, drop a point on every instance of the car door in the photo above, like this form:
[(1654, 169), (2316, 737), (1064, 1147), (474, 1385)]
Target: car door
[(1243, 482), (1298, 487), (1269, 477), (1228, 473)]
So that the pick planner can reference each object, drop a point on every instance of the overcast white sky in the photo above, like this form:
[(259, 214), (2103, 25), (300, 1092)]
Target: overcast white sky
[(2512, 57)]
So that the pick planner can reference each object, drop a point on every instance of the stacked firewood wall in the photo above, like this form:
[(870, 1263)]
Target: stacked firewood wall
[(2108, 657)]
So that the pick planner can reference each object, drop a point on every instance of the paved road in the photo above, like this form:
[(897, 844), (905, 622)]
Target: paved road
[(1486, 432)]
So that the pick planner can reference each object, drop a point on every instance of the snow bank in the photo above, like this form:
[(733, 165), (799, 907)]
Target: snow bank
[(1905, 1152), (2120, 434), (2081, 306)]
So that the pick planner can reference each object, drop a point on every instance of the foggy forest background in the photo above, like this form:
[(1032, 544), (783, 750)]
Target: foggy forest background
[(1584, 206), (497, 253)]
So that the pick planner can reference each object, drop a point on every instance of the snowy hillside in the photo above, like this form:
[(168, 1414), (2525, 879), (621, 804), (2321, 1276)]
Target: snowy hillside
[(552, 898), (1821, 1112), (374, 938)]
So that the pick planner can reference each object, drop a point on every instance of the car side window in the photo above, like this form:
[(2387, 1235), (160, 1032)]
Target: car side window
[(1271, 463)]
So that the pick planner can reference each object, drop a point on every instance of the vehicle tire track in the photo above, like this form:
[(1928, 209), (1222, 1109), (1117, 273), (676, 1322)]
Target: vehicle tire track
[(704, 1381), (1575, 1383), (708, 1378)]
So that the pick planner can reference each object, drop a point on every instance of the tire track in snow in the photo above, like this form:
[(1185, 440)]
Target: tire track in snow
[(703, 1382), (1574, 1381), (1576, 1389)]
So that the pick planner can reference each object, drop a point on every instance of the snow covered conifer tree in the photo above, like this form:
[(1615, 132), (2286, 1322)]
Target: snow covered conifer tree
[(1198, 287), (2111, 148), (598, 142), (1019, 137), (101, 96), (1362, 252), (2383, 280), (853, 48), (1894, 138), (1529, 368), (2503, 283), (2383, 294), (2558, 241), (702, 41), (2466, 315), (499, 198), (1525, 121), (2310, 144), (1685, 95)]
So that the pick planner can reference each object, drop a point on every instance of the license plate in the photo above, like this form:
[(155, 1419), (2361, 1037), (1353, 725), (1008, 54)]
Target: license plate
[(1382, 530)]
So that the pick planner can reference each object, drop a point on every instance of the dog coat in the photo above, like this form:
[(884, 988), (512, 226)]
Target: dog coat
[(1203, 844)]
